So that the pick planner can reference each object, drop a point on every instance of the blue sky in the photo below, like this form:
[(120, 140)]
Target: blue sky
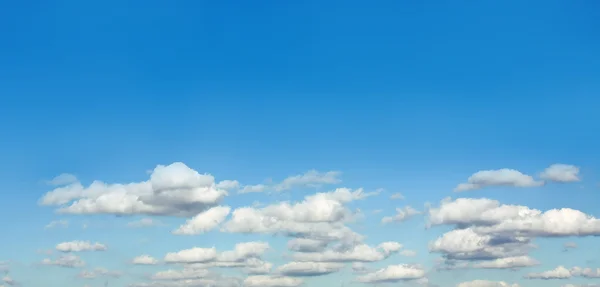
[(392, 97)]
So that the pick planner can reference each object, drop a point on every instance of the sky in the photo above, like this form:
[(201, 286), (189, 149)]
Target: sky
[(299, 143)]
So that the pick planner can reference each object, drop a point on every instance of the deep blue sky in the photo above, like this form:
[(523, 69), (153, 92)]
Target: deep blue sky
[(418, 92)]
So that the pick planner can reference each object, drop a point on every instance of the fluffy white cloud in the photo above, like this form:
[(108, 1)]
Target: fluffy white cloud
[(492, 235), (499, 177), (319, 216), (296, 269), (244, 255), (68, 260), (78, 246), (559, 272), (144, 260), (355, 253), (204, 221), (562, 272), (253, 188), (397, 196), (193, 255), (490, 217), (507, 263), (561, 173), (57, 223), (485, 283), (174, 189), (272, 281), (402, 214), (393, 273)]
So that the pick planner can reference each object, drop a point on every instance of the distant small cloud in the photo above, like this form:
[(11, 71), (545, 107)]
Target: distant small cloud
[(57, 224), (561, 173), (397, 196), (63, 179)]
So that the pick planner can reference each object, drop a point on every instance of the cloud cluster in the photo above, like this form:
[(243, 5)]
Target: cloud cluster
[(514, 178), (561, 272), (174, 189), (494, 235)]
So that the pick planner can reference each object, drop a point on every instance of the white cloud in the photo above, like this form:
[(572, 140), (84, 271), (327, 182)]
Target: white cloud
[(78, 246), (144, 260), (253, 188), (402, 214), (57, 223), (393, 273), (272, 281), (397, 196), (228, 184), (99, 272), (175, 189), (63, 179), (356, 253), (559, 272), (306, 245), (499, 177), (68, 260), (297, 269), (507, 263), (319, 216), (204, 221), (193, 255), (561, 173), (485, 283)]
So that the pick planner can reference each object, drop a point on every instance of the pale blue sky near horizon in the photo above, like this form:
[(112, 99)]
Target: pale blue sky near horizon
[(405, 96)]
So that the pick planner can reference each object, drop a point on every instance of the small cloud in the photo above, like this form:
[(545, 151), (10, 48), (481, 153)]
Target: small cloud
[(397, 195), (569, 246), (561, 173), (57, 224), (63, 179), (499, 177)]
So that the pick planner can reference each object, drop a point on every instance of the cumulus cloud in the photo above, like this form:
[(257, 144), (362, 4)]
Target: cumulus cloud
[(561, 173), (78, 246), (174, 189), (393, 273), (193, 255), (144, 260), (397, 195), (355, 253), (57, 223), (402, 214), (562, 272), (297, 269), (485, 283), (204, 221), (272, 281), (320, 216), (68, 261), (499, 177), (493, 235)]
